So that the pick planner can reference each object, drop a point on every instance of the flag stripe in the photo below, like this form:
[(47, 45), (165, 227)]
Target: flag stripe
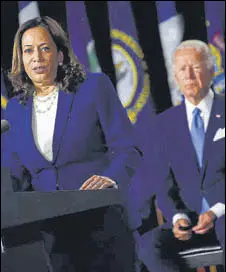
[(78, 29), (201, 269), (166, 10), (4, 99), (214, 19), (28, 10), (171, 29), (213, 269)]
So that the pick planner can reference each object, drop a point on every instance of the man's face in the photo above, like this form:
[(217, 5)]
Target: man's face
[(192, 74)]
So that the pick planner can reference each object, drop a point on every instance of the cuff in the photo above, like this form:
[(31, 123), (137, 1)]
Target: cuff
[(218, 209), (180, 216)]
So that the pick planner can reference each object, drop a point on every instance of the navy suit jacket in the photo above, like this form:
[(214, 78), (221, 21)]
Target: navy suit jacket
[(92, 135), (176, 177)]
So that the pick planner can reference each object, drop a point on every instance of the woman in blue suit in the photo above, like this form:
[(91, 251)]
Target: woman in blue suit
[(68, 131)]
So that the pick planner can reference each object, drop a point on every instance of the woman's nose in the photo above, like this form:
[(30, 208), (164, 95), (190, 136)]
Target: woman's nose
[(37, 55)]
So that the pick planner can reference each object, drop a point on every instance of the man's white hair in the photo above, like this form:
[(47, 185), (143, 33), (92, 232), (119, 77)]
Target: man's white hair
[(199, 46)]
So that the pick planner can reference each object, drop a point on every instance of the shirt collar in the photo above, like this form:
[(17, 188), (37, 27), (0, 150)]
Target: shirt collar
[(204, 105)]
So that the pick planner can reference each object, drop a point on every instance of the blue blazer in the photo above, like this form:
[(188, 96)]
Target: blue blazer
[(92, 135), (176, 177)]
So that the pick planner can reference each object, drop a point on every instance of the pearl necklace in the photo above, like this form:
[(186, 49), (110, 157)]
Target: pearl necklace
[(47, 102)]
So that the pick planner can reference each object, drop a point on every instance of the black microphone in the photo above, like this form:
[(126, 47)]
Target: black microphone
[(4, 126)]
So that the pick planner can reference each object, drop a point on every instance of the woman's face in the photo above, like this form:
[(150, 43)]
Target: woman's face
[(40, 56)]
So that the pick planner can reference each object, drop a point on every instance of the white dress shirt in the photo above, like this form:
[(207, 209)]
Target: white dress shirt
[(43, 123), (205, 106)]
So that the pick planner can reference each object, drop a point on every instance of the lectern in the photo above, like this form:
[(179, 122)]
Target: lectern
[(22, 213)]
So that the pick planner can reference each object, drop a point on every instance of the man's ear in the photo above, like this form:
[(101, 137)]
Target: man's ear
[(212, 71), (175, 76)]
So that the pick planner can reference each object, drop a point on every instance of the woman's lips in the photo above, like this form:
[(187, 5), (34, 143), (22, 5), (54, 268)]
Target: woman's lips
[(39, 69)]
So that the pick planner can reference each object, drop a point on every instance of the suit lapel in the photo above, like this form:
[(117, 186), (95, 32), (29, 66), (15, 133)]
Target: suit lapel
[(62, 116), (215, 122), (187, 147), (31, 146)]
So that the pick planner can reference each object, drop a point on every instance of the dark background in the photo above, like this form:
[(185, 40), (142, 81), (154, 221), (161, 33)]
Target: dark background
[(146, 20)]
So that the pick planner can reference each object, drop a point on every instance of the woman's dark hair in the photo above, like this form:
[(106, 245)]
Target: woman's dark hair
[(69, 76)]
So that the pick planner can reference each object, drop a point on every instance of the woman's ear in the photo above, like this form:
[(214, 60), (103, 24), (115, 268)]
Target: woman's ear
[(60, 58)]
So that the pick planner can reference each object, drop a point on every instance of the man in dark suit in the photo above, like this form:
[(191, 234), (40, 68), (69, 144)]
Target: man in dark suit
[(188, 163)]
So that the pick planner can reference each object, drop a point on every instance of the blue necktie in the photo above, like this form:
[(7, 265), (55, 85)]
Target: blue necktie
[(198, 134), (198, 138)]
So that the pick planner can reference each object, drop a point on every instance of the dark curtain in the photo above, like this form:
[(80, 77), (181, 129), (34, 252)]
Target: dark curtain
[(97, 13), (146, 18), (195, 21), (9, 25)]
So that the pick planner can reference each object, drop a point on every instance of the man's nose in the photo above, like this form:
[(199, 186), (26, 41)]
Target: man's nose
[(189, 72)]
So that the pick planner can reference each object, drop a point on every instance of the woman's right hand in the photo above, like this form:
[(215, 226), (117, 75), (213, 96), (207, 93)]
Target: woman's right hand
[(97, 182)]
